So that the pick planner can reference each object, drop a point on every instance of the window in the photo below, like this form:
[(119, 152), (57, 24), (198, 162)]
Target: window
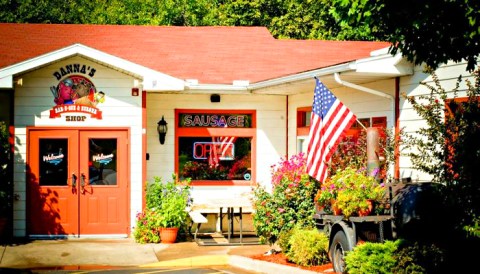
[(303, 120), (53, 159), (215, 147), (356, 128), (102, 163), (352, 134)]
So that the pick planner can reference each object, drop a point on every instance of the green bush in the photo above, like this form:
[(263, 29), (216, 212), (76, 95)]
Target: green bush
[(284, 239), (308, 246), (289, 204), (418, 258), (372, 257)]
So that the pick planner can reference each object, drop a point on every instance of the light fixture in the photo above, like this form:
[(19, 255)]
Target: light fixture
[(162, 130), (135, 92), (215, 98)]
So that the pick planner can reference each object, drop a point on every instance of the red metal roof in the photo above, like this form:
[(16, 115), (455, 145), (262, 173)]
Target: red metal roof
[(212, 55)]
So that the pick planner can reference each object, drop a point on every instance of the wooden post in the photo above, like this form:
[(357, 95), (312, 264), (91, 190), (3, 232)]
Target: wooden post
[(373, 144)]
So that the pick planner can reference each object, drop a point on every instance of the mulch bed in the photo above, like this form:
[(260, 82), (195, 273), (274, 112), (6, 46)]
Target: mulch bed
[(280, 258)]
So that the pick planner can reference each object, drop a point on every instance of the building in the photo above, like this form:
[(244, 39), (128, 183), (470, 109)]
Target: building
[(86, 102)]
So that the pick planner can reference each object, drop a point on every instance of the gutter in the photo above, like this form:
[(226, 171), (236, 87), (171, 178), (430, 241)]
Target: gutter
[(304, 76), (244, 87)]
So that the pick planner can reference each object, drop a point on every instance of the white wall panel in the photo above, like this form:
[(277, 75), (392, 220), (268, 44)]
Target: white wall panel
[(271, 130)]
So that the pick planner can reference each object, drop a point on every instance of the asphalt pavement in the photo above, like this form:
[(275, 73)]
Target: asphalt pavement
[(125, 253)]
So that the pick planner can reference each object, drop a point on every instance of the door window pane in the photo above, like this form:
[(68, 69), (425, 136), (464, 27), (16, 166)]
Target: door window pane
[(215, 158), (53, 162), (102, 163)]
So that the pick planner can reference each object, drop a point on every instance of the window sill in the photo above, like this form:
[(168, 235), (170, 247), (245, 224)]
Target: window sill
[(220, 183)]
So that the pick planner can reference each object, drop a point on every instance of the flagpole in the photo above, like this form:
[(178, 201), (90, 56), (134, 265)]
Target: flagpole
[(364, 127)]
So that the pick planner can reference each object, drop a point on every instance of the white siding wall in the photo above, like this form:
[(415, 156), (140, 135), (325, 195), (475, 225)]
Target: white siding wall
[(33, 101), (271, 134), (409, 120), (361, 103)]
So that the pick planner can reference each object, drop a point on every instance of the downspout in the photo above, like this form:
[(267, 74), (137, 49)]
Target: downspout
[(374, 92), (396, 173), (286, 126)]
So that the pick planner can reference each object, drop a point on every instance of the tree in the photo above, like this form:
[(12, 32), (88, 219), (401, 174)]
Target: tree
[(427, 31), (448, 148), (293, 19), (119, 12)]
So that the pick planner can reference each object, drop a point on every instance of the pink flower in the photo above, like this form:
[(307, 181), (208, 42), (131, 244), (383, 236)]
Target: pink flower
[(281, 210)]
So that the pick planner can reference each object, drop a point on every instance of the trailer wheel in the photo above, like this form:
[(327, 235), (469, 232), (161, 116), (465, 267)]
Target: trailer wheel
[(337, 251)]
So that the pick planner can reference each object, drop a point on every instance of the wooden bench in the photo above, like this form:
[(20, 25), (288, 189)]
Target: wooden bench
[(198, 219)]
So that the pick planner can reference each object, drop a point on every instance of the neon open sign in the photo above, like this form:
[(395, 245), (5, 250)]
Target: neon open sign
[(220, 150)]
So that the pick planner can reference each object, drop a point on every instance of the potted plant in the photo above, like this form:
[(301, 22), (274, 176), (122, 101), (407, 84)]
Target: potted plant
[(352, 191), (165, 213), (326, 196)]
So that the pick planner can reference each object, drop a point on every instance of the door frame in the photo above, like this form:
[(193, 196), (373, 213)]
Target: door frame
[(30, 129)]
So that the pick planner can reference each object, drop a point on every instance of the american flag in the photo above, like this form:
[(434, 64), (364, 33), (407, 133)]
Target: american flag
[(225, 144), (220, 147), (330, 118)]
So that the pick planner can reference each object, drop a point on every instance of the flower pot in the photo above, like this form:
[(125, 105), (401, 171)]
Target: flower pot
[(335, 209), (319, 208), (168, 235), (367, 211)]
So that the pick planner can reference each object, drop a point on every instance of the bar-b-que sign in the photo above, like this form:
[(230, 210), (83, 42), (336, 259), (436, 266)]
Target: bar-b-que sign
[(75, 93)]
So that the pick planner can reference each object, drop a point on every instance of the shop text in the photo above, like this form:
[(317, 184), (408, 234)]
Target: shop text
[(69, 118)]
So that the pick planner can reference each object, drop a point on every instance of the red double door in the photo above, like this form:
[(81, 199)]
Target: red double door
[(77, 182)]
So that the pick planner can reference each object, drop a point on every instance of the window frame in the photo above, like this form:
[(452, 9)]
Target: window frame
[(302, 128), (212, 131)]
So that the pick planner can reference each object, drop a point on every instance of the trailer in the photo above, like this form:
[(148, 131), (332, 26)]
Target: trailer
[(345, 233), (415, 208)]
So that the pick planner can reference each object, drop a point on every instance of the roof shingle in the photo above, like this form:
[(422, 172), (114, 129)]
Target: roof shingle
[(212, 55)]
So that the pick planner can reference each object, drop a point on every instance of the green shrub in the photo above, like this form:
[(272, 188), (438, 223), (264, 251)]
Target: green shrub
[(418, 258), (308, 246), (289, 204), (284, 239), (371, 257)]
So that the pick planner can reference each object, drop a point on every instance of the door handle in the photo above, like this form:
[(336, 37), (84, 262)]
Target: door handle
[(82, 182), (74, 180)]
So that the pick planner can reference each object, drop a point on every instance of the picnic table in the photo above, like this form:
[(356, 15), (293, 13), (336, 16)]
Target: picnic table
[(233, 206)]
